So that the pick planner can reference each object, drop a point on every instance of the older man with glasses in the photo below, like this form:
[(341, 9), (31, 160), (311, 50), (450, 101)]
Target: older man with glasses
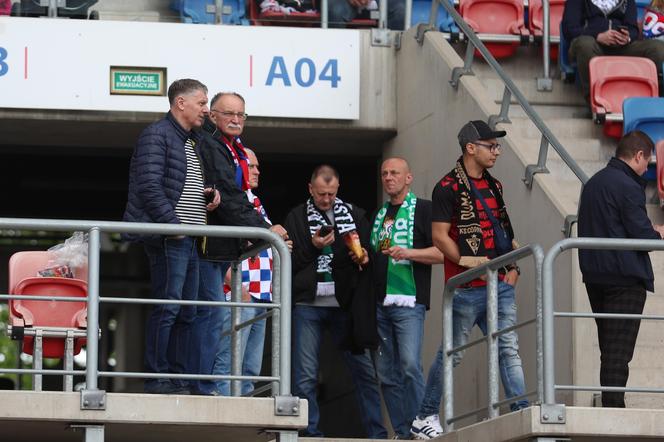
[(225, 168), (470, 226)]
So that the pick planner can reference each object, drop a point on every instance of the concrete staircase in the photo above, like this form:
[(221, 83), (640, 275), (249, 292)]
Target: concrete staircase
[(567, 116)]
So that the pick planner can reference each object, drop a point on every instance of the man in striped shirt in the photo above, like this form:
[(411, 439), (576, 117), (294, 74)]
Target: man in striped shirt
[(166, 186)]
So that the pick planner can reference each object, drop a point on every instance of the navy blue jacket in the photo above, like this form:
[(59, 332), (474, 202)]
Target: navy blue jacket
[(157, 174), (582, 17), (613, 205)]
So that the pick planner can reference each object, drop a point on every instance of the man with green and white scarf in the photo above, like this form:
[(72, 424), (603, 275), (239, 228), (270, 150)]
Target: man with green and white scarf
[(402, 254)]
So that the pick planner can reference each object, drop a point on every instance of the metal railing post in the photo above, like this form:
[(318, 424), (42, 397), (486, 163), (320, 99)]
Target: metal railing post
[(433, 15), (382, 17), (92, 352), (236, 357), (324, 14), (448, 362), (540, 167), (546, 83), (548, 331), (458, 72), (285, 319), (538, 253), (37, 360), (492, 341), (408, 14), (276, 315), (52, 8)]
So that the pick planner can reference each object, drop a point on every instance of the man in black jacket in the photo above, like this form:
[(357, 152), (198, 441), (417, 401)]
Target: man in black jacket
[(220, 153), (332, 290), (605, 27), (613, 206)]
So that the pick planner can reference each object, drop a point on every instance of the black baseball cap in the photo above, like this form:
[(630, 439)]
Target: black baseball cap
[(477, 130)]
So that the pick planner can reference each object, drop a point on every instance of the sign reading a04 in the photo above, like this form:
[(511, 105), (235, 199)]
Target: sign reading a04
[(4, 67), (304, 72)]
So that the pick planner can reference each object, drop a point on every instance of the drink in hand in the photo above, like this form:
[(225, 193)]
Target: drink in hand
[(352, 241)]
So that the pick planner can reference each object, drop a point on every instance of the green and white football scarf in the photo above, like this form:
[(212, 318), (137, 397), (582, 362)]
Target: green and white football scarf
[(400, 289), (343, 223)]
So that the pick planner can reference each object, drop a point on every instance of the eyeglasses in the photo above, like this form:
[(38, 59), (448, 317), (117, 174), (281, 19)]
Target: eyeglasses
[(493, 148), (228, 114)]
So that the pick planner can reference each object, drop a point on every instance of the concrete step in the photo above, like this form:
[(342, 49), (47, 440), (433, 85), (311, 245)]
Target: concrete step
[(561, 127)]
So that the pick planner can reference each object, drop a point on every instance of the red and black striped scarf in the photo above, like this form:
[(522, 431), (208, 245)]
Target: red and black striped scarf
[(470, 241)]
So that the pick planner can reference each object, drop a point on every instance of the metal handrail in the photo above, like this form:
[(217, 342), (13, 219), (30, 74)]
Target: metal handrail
[(489, 268), (281, 288), (474, 43), (549, 313)]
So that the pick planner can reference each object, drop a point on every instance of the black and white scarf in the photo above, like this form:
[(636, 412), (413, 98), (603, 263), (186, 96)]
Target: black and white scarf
[(343, 223)]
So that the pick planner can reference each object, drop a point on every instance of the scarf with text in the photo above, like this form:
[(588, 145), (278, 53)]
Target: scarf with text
[(343, 223), (471, 240), (400, 289)]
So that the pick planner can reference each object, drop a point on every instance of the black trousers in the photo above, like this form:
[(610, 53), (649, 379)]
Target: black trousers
[(617, 337)]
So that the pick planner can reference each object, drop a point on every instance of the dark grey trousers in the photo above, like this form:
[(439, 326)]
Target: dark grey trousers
[(586, 47)]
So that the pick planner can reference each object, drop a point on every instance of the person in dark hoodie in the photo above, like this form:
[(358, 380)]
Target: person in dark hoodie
[(332, 289), (605, 27), (613, 205)]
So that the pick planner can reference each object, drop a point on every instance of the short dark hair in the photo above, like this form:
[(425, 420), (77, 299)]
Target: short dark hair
[(327, 172), (184, 86), (218, 95), (632, 142)]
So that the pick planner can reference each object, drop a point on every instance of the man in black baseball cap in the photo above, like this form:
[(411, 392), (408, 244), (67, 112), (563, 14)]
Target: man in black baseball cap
[(470, 226), (477, 130)]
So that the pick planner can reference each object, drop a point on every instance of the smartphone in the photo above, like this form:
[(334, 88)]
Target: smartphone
[(209, 197), (622, 28), (325, 230)]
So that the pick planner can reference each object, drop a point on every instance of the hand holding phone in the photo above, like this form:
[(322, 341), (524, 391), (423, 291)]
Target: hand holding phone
[(325, 230), (209, 194)]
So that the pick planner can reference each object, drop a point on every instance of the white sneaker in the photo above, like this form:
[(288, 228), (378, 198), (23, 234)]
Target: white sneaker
[(426, 428)]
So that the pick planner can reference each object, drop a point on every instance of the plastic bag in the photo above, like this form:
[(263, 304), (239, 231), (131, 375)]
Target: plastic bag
[(67, 256)]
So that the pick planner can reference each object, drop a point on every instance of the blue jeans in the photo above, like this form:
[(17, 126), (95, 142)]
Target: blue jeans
[(341, 12), (209, 322), (173, 275), (252, 341), (469, 308), (309, 323), (399, 362)]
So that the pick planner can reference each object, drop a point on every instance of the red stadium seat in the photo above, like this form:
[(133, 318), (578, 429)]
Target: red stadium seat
[(614, 78), (503, 17), (33, 315), (536, 26)]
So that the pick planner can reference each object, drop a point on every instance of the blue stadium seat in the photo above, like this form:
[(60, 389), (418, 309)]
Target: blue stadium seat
[(421, 11), (640, 8), (203, 11), (647, 115), (568, 71)]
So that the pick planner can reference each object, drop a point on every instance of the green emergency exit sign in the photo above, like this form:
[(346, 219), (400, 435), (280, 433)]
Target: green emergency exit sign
[(138, 81)]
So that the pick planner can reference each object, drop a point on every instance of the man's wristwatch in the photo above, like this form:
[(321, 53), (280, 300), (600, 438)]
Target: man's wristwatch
[(511, 267)]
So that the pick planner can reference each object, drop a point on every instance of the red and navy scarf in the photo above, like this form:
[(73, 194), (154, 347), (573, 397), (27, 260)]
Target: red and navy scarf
[(239, 154)]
